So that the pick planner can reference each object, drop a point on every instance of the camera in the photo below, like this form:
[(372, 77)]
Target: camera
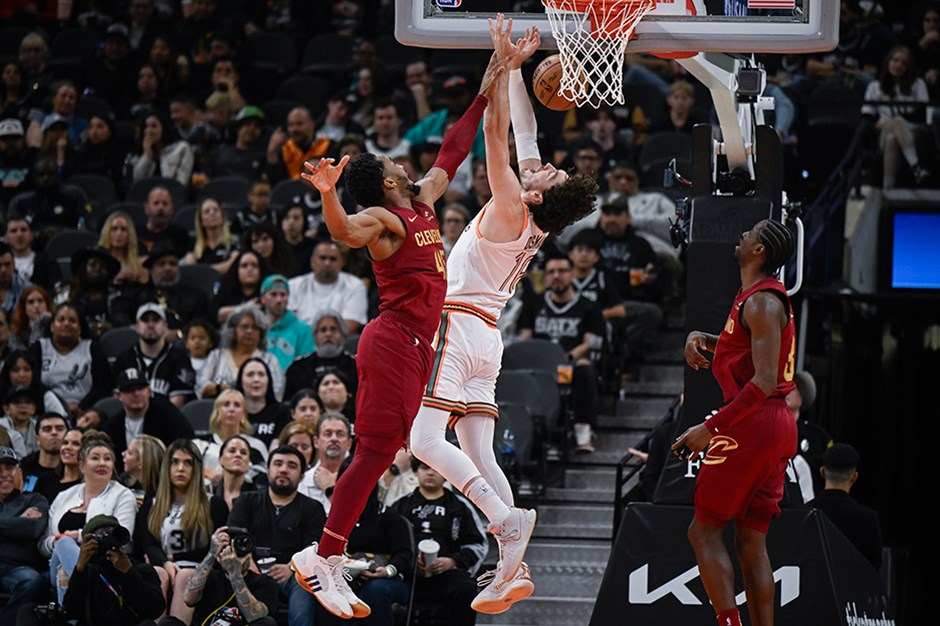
[(242, 541), (50, 613), (111, 538)]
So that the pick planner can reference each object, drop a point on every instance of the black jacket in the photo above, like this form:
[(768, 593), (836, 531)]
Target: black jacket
[(857, 522), (285, 532), (162, 420), (90, 600)]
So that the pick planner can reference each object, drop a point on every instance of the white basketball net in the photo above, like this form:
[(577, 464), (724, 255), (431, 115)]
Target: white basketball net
[(592, 38)]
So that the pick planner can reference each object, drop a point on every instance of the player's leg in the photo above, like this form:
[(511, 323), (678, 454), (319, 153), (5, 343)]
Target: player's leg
[(475, 432), (751, 546), (715, 569)]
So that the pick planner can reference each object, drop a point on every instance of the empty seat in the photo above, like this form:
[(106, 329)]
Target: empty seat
[(201, 277), (226, 189), (115, 341), (99, 189), (198, 413), (271, 50), (65, 243), (327, 55), (311, 91)]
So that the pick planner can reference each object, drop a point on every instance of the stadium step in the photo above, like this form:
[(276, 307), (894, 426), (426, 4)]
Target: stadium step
[(576, 521), (584, 485)]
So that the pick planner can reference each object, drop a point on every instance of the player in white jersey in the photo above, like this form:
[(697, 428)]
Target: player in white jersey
[(484, 266)]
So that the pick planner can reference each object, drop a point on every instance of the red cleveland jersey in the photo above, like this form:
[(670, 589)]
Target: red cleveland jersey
[(733, 366), (413, 281)]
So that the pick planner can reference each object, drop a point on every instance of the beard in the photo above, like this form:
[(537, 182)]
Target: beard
[(413, 188), (329, 350), (166, 282), (283, 490), (151, 341)]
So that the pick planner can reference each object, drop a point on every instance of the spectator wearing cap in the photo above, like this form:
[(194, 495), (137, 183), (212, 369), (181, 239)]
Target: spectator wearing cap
[(47, 205), (164, 364), (182, 303), (106, 586), (288, 151), (386, 139), (326, 286), (20, 414), (112, 75), (288, 337), (14, 160), (159, 226), (98, 493), (105, 304), (337, 122), (856, 521), (456, 97), (245, 157), (142, 412), (23, 520), (11, 283), (651, 212)]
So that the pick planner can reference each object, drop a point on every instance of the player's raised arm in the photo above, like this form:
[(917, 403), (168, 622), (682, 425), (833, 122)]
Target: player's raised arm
[(459, 139), (524, 126), (353, 230)]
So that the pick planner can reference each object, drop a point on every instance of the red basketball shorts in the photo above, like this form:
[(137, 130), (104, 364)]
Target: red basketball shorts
[(743, 472), (394, 364)]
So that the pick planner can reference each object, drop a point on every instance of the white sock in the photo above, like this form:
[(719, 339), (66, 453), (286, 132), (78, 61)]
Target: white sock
[(486, 499)]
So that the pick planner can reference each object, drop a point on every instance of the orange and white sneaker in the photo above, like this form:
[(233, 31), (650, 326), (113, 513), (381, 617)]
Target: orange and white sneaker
[(498, 594), (512, 535), (326, 579)]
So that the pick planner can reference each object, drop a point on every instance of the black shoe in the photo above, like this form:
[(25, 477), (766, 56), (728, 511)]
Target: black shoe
[(921, 175)]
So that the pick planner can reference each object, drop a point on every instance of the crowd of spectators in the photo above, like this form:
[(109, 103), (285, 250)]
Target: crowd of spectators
[(174, 134)]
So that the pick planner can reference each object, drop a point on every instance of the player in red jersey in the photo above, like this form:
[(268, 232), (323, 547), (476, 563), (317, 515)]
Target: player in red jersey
[(753, 436), (394, 356)]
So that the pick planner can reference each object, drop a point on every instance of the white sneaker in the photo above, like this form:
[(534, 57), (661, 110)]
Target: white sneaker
[(498, 595), (512, 535), (326, 579)]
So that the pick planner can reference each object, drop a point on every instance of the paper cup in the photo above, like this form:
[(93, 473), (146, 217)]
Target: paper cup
[(429, 549)]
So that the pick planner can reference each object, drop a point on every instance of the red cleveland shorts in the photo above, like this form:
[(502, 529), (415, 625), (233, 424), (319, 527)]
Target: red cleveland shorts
[(743, 473), (394, 365)]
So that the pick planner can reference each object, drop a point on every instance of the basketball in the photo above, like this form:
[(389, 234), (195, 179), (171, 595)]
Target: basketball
[(545, 83)]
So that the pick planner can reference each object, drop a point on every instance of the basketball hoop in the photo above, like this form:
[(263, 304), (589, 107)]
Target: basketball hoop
[(592, 37)]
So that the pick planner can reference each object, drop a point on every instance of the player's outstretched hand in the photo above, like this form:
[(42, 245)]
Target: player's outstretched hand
[(324, 174), (694, 344), (691, 443), (526, 46), (499, 33)]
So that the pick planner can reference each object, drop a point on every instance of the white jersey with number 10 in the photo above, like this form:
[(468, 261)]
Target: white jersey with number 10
[(484, 274)]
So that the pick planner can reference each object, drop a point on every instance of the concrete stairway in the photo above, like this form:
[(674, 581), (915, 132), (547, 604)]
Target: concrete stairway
[(571, 545)]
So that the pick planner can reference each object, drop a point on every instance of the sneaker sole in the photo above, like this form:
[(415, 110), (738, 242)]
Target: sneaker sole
[(332, 607), (501, 605)]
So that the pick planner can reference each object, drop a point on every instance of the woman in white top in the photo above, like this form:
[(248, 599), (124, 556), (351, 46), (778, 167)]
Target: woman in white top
[(230, 417), (898, 88), (162, 153), (98, 494), (174, 527)]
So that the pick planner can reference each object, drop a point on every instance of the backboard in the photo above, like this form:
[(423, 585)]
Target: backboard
[(673, 26)]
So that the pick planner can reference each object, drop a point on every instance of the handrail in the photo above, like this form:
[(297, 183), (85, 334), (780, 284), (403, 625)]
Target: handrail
[(625, 460)]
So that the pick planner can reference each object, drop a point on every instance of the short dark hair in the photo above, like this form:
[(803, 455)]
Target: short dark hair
[(416, 463), (332, 415), (5, 249), (364, 177), (840, 461), (50, 416), (289, 449), (778, 242), (565, 203)]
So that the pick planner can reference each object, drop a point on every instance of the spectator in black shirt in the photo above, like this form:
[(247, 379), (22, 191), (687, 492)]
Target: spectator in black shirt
[(181, 302), (450, 520), (159, 228), (266, 414), (285, 521), (143, 413), (164, 364), (40, 466), (575, 324), (857, 522), (329, 335), (245, 157)]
